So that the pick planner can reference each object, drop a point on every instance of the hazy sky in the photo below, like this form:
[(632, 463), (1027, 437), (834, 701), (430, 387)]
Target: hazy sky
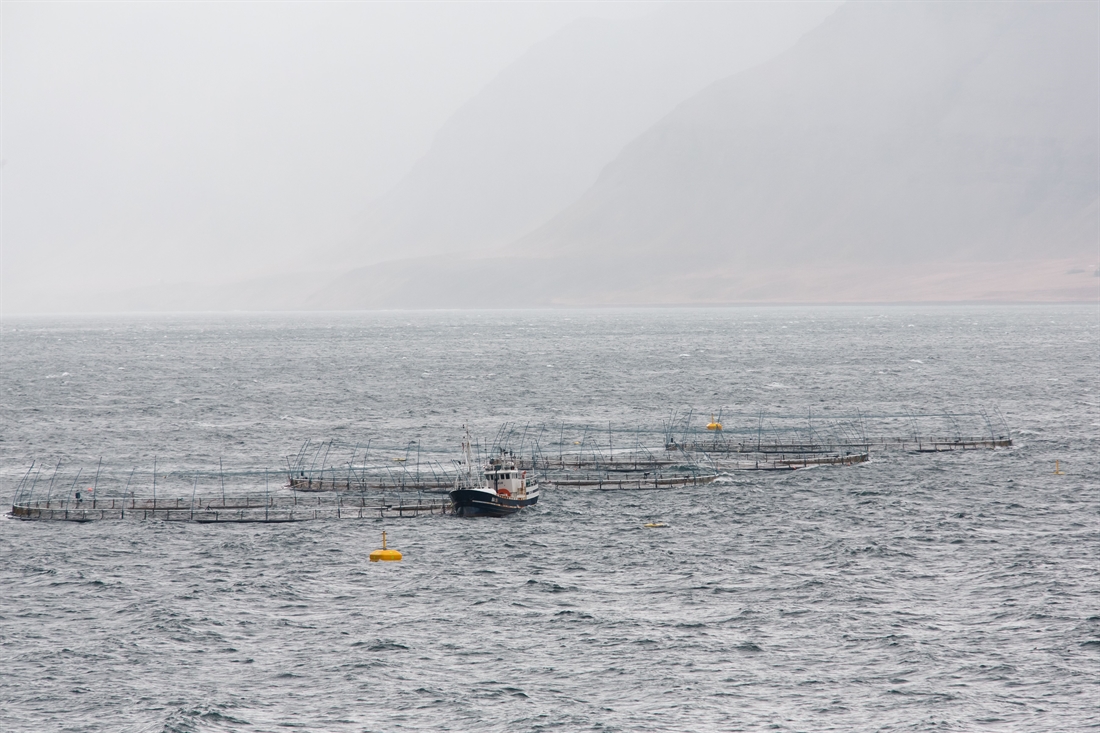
[(170, 141)]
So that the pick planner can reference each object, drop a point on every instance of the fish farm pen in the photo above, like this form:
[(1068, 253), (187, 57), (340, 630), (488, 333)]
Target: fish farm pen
[(239, 510), (797, 434), (200, 496), (373, 479)]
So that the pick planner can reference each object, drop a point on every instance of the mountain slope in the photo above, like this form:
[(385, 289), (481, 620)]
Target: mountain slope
[(890, 134), (898, 152), (536, 138)]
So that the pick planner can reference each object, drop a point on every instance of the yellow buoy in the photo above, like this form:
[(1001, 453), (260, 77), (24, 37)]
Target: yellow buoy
[(384, 554), (714, 424), (654, 525), (1057, 469)]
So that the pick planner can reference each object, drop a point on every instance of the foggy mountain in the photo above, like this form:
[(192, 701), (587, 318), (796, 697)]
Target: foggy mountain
[(533, 140), (899, 151)]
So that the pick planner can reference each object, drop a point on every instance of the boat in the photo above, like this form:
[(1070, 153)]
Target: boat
[(497, 489)]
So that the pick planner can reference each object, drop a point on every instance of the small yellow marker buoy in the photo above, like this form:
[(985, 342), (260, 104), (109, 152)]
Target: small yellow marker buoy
[(1058, 470), (384, 554), (714, 424), (654, 525)]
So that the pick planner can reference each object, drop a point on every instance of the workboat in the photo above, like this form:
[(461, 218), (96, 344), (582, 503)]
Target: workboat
[(496, 489)]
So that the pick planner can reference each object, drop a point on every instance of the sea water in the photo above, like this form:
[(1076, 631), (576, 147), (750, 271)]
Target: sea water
[(954, 591)]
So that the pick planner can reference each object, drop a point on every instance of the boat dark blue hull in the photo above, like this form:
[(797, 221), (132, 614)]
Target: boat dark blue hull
[(472, 503)]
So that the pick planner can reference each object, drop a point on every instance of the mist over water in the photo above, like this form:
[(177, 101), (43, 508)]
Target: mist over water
[(915, 592)]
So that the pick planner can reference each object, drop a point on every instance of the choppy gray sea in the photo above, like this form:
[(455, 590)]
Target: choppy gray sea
[(958, 591)]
